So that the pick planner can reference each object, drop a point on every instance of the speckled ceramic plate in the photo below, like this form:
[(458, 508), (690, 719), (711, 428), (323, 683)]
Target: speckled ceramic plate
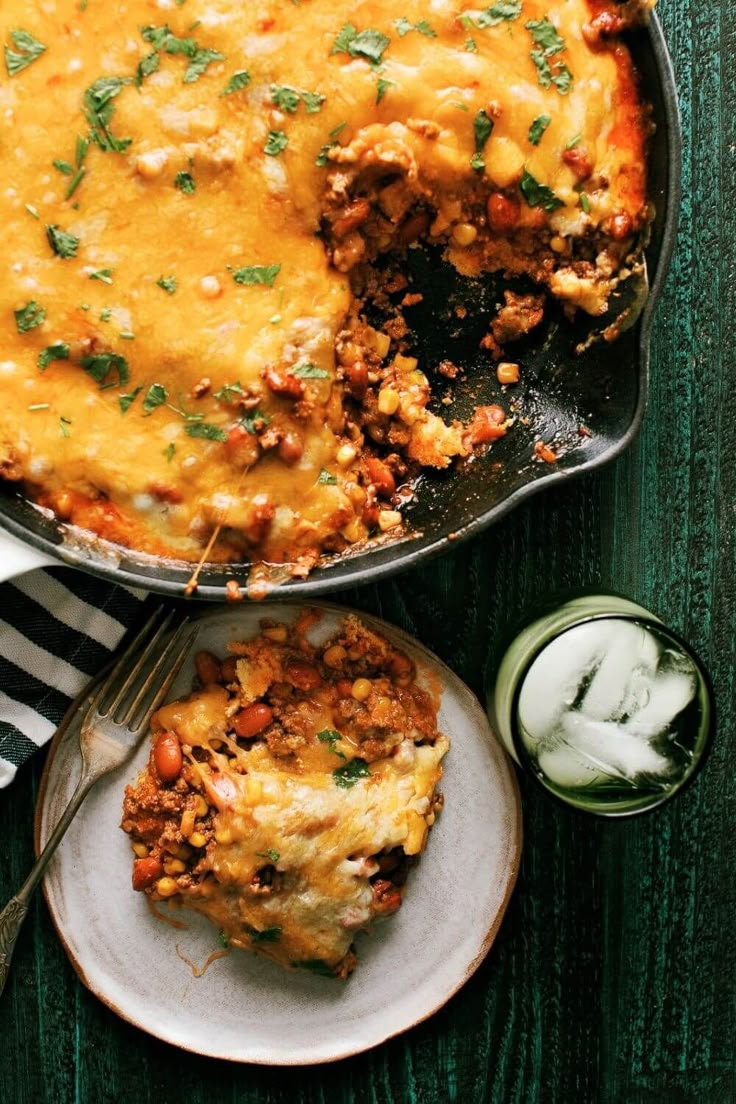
[(250, 1010)]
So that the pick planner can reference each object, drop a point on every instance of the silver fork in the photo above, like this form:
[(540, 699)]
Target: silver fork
[(116, 719)]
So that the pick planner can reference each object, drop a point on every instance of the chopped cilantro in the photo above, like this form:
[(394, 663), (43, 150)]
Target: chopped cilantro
[(237, 83), (471, 46), (347, 776), (29, 316), (270, 854), (584, 203), (99, 110), (276, 143), (330, 736), (574, 142), (257, 274), (254, 420), (184, 181), (382, 88), (326, 477), (147, 65), (537, 129), (322, 158), (162, 38), (286, 99), (126, 401), (206, 430), (501, 11), (312, 102), (105, 315), (222, 939), (368, 44), (27, 50), (309, 371), (167, 284), (58, 351), (104, 275), (538, 195), (155, 396), (229, 391), (268, 935), (63, 244), (199, 63), (403, 26), (100, 365), (482, 128), (548, 43)]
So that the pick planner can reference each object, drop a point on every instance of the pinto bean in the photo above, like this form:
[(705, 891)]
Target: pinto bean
[(579, 161), (284, 384), (621, 225), (291, 448), (413, 228), (379, 474), (229, 669), (146, 872), (356, 377), (487, 425), (352, 217), (503, 213), (303, 675), (252, 720), (386, 897), (207, 667), (167, 756)]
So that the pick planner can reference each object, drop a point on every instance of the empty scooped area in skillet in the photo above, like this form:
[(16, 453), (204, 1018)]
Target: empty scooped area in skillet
[(604, 390)]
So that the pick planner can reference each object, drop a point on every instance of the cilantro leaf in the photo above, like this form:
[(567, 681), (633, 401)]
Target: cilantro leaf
[(309, 371), (368, 44), (482, 129), (206, 430), (347, 776), (403, 26), (538, 127), (167, 284), (500, 12), (548, 43), (126, 401), (237, 82), (312, 102), (326, 477), (58, 351), (147, 65), (29, 316), (200, 62), (100, 365), (538, 195), (330, 736), (185, 182), (254, 421), (270, 854), (155, 396), (27, 50), (104, 275), (276, 143), (545, 36), (228, 391), (223, 940), (257, 274), (382, 87), (99, 109), (286, 99), (64, 245)]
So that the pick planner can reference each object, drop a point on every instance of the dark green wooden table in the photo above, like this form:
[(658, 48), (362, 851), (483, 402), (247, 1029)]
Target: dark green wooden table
[(614, 975)]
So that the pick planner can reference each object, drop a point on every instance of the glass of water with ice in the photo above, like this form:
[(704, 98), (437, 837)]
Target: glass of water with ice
[(607, 708)]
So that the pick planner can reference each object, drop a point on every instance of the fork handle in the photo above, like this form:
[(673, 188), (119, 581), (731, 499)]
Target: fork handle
[(11, 921)]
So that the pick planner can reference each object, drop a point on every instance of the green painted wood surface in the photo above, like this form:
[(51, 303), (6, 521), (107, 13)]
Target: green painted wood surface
[(614, 975)]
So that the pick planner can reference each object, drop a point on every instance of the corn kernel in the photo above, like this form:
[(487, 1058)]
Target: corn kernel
[(174, 866), (405, 363), (223, 835), (464, 233), (187, 822), (253, 790), (558, 244), (388, 400), (381, 343), (361, 689), (276, 633), (140, 850), (197, 839), (201, 808), (507, 372), (388, 519), (166, 887), (335, 655), (345, 455)]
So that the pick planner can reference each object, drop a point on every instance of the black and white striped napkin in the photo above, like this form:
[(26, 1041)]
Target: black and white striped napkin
[(57, 629)]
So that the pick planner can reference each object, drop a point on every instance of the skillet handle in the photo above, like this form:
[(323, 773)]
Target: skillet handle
[(16, 558)]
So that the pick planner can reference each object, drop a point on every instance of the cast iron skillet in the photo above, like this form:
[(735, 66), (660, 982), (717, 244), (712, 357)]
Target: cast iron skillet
[(604, 389)]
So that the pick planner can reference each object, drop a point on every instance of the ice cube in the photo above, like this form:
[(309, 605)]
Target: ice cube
[(630, 660)]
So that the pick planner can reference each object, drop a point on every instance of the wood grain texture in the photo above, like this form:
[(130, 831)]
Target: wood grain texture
[(614, 975)]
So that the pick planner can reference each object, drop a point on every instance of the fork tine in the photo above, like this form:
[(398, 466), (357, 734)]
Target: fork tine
[(129, 707), (140, 722), (132, 673), (121, 665)]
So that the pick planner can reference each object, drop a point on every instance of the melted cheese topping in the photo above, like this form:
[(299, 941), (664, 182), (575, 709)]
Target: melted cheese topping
[(195, 197), (324, 836)]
